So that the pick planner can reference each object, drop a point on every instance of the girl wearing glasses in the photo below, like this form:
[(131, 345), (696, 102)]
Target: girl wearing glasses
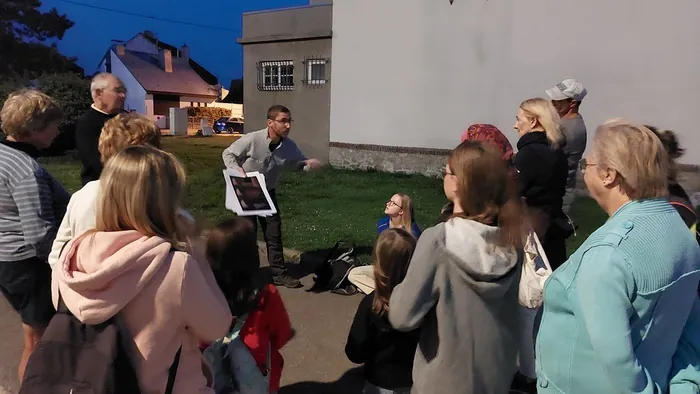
[(399, 214)]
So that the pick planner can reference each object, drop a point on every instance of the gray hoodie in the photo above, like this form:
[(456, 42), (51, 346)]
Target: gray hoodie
[(461, 290)]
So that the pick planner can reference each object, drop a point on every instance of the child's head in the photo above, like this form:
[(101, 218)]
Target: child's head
[(232, 251), (141, 188), (124, 130), (392, 253)]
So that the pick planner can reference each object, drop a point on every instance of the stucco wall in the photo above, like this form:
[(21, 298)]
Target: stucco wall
[(448, 66), (310, 106)]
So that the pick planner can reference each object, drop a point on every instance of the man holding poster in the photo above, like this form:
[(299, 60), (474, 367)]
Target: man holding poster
[(269, 151)]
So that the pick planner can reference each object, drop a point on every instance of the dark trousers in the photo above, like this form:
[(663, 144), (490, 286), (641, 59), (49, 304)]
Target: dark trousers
[(272, 232)]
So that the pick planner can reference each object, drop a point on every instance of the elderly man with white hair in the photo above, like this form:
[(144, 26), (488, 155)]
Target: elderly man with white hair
[(108, 95)]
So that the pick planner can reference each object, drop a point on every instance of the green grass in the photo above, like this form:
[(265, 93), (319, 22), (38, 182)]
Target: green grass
[(318, 208)]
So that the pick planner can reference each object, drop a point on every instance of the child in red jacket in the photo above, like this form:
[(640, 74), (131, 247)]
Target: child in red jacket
[(232, 251)]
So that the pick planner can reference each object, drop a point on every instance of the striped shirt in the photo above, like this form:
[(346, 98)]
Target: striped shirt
[(32, 204)]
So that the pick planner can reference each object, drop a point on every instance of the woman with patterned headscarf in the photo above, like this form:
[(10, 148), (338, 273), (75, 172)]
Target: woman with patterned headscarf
[(482, 132)]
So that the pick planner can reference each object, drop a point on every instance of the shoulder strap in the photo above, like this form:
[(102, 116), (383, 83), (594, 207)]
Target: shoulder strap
[(172, 372)]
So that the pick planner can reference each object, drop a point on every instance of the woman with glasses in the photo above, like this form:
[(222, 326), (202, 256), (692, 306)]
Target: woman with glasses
[(399, 214), (622, 315)]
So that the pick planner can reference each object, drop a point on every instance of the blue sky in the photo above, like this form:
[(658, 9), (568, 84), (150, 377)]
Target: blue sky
[(215, 48)]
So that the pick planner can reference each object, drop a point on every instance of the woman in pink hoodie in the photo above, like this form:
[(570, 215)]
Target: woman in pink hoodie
[(133, 265)]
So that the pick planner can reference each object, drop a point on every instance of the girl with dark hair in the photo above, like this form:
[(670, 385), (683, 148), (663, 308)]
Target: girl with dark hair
[(386, 353), (232, 251)]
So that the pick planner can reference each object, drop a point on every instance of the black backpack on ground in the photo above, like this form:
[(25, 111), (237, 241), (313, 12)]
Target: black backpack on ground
[(77, 358), (332, 274)]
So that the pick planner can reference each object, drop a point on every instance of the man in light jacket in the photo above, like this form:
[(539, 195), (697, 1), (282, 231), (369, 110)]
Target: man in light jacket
[(269, 151)]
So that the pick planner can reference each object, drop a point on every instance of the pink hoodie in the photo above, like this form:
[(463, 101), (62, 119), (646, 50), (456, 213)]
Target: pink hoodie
[(164, 299)]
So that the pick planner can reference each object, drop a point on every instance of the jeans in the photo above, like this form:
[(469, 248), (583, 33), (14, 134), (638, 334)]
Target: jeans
[(372, 389), (272, 232)]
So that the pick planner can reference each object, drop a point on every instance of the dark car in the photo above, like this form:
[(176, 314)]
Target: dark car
[(229, 125)]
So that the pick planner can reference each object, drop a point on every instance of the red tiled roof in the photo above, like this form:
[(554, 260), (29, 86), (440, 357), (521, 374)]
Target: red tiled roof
[(184, 80)]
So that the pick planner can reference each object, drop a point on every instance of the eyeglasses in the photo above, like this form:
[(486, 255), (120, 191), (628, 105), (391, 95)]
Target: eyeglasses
[(445, 172), (583, 164), (284, 121), (393, 204)]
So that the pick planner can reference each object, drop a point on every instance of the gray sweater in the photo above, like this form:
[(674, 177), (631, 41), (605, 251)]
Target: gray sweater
[(461, 290), (32, 204), (252, 153)]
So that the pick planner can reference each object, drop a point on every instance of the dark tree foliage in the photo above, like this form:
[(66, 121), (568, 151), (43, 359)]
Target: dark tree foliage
[(24, 30)]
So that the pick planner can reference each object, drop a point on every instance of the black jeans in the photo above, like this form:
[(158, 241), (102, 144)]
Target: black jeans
[(272, 231)]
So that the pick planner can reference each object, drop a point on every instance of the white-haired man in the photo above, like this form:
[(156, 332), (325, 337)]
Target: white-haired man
[(108, 95)]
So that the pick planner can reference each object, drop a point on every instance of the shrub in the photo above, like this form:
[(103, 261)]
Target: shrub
[(212, 113)]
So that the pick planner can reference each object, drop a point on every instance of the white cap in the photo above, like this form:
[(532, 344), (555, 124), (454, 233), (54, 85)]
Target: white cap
[(567, 89)]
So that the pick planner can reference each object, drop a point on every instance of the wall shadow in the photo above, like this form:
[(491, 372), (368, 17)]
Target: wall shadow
[(351, 382)]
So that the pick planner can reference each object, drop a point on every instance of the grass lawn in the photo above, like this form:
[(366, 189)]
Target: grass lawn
[(318, 208)]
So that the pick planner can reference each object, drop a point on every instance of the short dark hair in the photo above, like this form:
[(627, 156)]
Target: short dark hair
[(276, 110)]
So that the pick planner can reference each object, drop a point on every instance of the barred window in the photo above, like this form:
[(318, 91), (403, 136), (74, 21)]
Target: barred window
[(315, 71), (276, 75)]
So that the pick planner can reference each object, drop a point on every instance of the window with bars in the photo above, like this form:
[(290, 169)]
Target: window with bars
[(315, 71), (276, 75)]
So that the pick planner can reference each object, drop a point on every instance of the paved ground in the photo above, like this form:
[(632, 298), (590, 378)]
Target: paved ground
[(315, 361)]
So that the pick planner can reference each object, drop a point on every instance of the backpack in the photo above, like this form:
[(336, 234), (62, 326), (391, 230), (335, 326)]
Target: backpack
[(235, 369), (332, 274), (78, 358)]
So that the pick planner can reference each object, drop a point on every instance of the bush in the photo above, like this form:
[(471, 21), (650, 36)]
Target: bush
[(212, 113), (72, 93)]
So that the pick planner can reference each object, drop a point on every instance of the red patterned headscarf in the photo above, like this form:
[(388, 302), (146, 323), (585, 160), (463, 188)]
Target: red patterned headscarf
[(487, 132)]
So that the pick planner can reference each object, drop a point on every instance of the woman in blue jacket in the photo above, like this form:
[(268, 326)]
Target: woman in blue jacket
[(399, 214), (622, 314)]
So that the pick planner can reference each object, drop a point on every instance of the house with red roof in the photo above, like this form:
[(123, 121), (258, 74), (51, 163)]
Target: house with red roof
[(159, 76)]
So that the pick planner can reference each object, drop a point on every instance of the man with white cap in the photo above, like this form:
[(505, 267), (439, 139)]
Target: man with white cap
[(566, 97)]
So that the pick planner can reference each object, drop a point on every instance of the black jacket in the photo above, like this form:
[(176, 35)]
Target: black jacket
[(87, 136), (541, 172), (387, 353)]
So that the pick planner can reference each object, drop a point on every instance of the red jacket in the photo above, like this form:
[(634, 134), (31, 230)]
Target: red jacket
[(268, 324)]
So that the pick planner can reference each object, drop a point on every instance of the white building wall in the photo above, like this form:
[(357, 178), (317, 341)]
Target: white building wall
[(441, 67), (136, 95)]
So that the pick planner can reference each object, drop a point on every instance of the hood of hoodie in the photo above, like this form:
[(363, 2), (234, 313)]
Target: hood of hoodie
[(99, 273), (491, 270)]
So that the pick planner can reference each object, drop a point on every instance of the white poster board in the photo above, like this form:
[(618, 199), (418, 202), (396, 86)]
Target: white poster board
[(247, 195)]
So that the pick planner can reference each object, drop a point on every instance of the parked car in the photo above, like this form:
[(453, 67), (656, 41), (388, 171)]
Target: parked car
[(229, 125)]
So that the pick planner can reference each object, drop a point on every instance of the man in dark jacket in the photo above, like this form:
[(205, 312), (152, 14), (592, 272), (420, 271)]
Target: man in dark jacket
[(108, 95)]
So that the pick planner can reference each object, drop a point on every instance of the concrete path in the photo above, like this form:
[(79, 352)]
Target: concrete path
[(315, 359)]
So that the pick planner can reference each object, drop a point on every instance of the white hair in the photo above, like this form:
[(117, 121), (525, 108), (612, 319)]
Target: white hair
[(101, 82)]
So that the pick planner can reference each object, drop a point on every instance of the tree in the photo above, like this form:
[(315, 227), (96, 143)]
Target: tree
[(23, 31)]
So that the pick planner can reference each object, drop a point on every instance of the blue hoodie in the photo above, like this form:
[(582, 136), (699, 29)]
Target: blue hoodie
[(383, 224)]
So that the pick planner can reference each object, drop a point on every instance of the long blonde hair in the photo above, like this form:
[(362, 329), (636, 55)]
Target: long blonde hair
[(392, 254), (141, 188), (546, 115), (407, 208)]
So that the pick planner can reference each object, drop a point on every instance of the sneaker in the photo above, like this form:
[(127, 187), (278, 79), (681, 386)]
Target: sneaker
[(286, 281)]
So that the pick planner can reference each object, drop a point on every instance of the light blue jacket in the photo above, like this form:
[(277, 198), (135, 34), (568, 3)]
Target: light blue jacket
[(617, 315)]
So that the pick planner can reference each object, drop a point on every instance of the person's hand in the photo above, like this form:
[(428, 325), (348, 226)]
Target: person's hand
[(312, 164)]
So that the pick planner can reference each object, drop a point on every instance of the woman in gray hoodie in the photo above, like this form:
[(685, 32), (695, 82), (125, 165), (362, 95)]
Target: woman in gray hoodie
[(461, 288)]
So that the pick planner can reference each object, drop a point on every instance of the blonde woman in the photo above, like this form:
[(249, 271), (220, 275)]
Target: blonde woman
[(622, 315), (542, 172), (32, 203), (129, 266), (119, 132), (461, 287), (399, 214)]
